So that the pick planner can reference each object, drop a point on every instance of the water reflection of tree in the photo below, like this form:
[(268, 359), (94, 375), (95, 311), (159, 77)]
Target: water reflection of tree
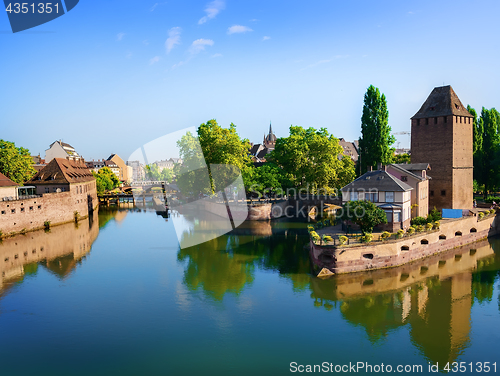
[(226, 264)]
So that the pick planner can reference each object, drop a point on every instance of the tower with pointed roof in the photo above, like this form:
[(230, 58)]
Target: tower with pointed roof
[(270, 140), (441, 135)]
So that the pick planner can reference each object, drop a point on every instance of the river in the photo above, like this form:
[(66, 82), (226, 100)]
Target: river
[(116, 295)]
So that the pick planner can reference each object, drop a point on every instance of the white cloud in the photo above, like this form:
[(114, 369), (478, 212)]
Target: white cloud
[(199, 45), (120, 36), (266, 38), (174, 37), (320, 62), (253, 20), (212, 10), (178, 64), (154, 60), (216, 55), (154, 7), (238, 29)]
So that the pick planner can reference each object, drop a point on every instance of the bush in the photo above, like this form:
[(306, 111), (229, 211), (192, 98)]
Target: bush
[(420, 228), (310, 228), (77, 215), (315, 237), (367, 238), (429, 226), (411, 230), (343, 239), (436, 225), (1, 233), (46, 224), (492, 211), (400, 234), (434, 215), (385, 235), (490, 199), (417, 221), (327, 238), (480, 215)]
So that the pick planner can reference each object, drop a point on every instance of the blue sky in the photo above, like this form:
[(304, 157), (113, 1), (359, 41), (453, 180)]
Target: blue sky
[(111, 77)]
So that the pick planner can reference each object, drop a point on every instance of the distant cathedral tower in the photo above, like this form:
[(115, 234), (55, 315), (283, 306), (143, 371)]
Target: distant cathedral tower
[(270, 140), (441, 135)]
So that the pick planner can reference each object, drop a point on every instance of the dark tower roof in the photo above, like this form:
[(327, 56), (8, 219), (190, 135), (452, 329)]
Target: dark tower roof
[(442, 102), (270, 137)]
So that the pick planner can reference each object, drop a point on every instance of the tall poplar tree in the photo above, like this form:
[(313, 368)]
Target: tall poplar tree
[(486, 168), (376, 139)]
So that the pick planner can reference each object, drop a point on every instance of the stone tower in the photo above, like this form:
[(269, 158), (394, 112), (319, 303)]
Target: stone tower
[(441, 135)]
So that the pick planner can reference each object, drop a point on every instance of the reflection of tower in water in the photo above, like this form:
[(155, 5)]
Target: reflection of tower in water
[(433, 297)]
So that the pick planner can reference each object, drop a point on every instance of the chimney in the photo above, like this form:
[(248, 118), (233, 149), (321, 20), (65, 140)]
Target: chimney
[(370, 168), (379, 166), (385, 168)]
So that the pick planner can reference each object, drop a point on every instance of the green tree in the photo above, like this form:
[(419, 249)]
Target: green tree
[(192, 175), (477, 129), (365, 214), (376, 139), (106, 180), (266, 177), (223, 146), (15, 162), (401, 158), (312, 159), (486, 158)]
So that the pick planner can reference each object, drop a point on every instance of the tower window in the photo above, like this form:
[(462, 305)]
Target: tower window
[(435, 120), (426, 121), (445, 119), (443, 192), (432, 193), (418, 121)]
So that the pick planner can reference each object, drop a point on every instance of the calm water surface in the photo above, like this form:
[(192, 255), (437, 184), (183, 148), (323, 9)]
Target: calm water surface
[(116, 296)]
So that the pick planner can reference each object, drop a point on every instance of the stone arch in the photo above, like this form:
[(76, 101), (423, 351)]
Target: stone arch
[(442, 237), (458, 233), (473, 229), (424, 241), (405, 248)]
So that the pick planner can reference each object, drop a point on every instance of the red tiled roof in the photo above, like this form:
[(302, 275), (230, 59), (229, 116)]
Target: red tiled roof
[(6, 182), (62, 171)]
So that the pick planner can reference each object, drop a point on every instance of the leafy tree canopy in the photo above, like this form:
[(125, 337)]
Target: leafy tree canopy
[(401, 158), (15, 162), (312, 159), (153, 173), (365, 214), (106, 180)]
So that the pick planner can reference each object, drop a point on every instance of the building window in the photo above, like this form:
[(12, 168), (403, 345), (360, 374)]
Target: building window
[(3, 212), (389, 196), (418, 121), (13, 211), (443, 192), (31, 208), (397, 216), (432, 193), (354, 196), (435, 120), (445, 119), (426, 121), (22, 210), (372, 197), (47, 189), (404, 178), (39, 206), (388, 214)]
